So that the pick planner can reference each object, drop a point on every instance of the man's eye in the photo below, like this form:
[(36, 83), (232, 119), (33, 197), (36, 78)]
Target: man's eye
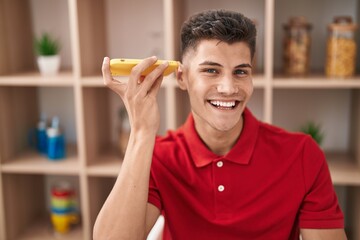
[(240, 72), (210, 70)]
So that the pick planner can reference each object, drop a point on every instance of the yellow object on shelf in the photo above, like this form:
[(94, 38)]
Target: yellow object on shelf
[(341, 48), (63, 222), (64, 212), (296, 46)]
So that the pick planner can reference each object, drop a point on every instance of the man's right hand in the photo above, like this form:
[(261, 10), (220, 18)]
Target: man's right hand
[(139, 94)]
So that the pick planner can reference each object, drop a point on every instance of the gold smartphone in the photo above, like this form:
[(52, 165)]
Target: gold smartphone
[(123, 66)]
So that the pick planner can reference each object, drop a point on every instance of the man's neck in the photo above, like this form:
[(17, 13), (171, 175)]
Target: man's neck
[(219, 142)]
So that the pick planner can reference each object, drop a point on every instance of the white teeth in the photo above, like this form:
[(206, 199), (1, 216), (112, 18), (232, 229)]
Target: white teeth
[(223, 104)]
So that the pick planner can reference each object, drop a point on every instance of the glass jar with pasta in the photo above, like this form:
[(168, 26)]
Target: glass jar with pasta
[(341, 48), (296, 46)]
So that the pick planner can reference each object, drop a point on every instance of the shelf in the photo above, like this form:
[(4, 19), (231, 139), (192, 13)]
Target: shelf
[(97, 81), (33, 163), (93, 81), (107, 166), (42, 230), (35, 79), (259, 81), (343, 169), (316, 81)]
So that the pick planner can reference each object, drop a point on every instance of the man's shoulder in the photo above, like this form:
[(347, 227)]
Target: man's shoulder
[(170, 149), (170, 137), (170, 140), (287, 146), (271, 132)]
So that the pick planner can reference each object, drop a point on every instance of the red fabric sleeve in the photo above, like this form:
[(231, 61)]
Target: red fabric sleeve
[(320, 208)]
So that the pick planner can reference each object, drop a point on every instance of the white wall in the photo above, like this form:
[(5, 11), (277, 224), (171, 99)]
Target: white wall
[(135, 28)]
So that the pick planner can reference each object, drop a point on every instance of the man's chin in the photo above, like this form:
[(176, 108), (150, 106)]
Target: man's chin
[(225, 126)]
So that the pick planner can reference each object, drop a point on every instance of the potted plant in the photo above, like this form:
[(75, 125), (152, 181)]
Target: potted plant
[(47, 50), (314, 130)]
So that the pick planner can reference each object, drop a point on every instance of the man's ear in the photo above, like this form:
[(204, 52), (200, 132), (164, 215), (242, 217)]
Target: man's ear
[(180, 77)]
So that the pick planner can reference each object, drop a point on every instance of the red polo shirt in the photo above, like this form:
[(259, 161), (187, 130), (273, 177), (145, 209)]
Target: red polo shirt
[(271, 184)]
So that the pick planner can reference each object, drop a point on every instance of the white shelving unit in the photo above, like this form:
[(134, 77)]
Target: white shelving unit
[(92, 29)]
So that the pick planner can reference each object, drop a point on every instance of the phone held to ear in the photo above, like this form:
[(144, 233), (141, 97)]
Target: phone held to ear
[(123, 66)]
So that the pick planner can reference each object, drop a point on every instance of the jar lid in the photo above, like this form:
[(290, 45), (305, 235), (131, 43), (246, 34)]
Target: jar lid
[(298, 22), (343, 23), (343, 19)]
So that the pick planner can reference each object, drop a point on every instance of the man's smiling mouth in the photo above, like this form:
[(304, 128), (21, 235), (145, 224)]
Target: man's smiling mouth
[(226, 105)]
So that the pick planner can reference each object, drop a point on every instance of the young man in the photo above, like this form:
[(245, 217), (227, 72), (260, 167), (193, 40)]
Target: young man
[(223, 174)]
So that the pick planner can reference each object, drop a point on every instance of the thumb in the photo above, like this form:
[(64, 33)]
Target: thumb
[(109, 81)]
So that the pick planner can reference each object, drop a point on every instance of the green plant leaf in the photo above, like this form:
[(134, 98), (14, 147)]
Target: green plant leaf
[(45, 45), (314, 130)]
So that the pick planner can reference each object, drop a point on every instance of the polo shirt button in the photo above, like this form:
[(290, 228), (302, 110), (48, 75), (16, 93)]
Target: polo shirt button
[(219, 164), (221, 188)]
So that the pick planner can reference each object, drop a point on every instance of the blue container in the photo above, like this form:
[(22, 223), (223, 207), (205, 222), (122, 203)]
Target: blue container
[(56, 146), (41, 140), (41, 136), (56, 141)]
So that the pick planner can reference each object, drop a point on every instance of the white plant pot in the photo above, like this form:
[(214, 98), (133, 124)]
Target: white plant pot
[(49, 65)]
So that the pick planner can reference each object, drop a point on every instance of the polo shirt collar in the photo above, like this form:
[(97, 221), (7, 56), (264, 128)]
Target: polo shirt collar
[(241, 152)]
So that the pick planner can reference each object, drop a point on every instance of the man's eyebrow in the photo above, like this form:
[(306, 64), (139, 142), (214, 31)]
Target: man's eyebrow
[(210, 63), (243, 65)]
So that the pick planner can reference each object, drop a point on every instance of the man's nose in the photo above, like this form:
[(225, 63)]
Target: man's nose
[(227, 86)]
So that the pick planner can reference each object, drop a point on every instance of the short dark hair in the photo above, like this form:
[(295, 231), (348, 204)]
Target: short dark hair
[(223, 25)]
